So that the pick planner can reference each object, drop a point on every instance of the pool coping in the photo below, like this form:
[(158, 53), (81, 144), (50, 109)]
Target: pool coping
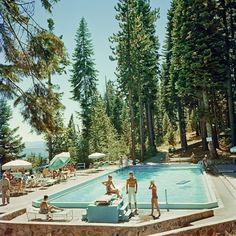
[(141, 205)]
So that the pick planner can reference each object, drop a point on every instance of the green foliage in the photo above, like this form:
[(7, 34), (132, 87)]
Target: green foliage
[(114, 106), (31, 53), (104, 138), (83, 77), (11, 144), (36, 160), (136, 52), (72, 138)]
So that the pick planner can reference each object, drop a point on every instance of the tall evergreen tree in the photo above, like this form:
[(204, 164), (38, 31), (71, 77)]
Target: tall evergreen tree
[(199, 55), (84, 79), (103, 135), (151, 68), (114, 106), (72, 138), (11, 144), (137, 57)]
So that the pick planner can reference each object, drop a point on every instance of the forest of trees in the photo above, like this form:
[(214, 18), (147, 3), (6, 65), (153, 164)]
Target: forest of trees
[(159, 95)]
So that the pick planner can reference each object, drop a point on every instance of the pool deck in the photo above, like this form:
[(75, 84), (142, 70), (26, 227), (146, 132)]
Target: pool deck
[(25, 201), (224, 186)]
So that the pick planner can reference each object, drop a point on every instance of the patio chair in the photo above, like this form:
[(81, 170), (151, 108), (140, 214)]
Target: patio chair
[(34, 215)]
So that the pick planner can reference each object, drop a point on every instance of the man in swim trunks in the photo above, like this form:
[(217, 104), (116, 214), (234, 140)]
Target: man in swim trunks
[(46, 208), (154, 200), (131, 189), (110, 187)]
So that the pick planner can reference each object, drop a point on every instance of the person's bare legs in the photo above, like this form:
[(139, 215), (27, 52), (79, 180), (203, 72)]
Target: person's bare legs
[(157, 207), (3, 198), (8, 199), (152, 207)]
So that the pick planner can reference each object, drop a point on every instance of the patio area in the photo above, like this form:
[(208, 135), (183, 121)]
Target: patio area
[(172, 221)]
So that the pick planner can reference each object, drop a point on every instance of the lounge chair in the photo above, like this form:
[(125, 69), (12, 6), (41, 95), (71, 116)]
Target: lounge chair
[(33, 214)]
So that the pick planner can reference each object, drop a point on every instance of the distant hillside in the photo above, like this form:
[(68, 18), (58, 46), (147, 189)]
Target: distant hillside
[(38, 148)]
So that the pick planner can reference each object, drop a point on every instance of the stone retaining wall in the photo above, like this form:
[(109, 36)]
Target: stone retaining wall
[(224, 228), (8, 228)]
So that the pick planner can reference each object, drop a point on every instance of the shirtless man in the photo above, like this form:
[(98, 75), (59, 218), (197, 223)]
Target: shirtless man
[(110, 187), (131, 189), (46, 208), (154, 200)]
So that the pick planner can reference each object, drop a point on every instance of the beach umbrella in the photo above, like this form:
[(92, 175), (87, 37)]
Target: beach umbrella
[(96, 155), (59, 161), (17, 164)]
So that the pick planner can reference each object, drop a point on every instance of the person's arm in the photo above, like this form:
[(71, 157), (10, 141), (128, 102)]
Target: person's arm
[(136, 185), (104, 182), (127, 185), (112, 185), (150, 187)]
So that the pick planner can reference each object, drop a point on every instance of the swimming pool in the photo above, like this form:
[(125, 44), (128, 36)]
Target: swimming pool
[(180, 186)]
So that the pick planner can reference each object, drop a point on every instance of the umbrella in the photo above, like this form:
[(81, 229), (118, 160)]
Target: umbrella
[(96, 155), (17, 164), (59, 161)]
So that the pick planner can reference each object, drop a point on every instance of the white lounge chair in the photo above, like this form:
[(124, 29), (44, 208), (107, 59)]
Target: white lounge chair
[(33, 214)]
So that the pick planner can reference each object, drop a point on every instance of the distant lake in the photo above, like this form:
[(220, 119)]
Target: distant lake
[(38, 151), (38, 148)]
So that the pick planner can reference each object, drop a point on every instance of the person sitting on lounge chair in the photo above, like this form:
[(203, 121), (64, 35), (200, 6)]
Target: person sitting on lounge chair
[(46, 208), (110, 187)]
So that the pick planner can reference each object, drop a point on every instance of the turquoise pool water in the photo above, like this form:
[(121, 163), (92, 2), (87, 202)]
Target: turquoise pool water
[(185, 186)]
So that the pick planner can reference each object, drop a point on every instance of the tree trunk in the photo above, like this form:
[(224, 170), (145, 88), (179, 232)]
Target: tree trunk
[(203, 135), (211, 146), (215, 124), (132, 148), (50, 148), (141, 127), (229, 30), (182, 130), (150, 125), (231, 113)]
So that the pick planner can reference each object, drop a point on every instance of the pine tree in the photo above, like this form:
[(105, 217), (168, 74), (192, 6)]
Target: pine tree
[(151, 68), (228, 13), (72, 137), (114, 106), (84, 79), (199, 55), (137, 58), (11, 144), (103, 134)]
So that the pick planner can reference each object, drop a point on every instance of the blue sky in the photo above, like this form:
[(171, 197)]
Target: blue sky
[(100, 16)]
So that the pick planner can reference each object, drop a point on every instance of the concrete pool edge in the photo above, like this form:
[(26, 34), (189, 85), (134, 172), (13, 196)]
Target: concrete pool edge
[(212, 203), (36, 203)]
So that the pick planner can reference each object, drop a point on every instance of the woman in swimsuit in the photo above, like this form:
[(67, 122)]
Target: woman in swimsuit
[(154, 200), (110, 187)]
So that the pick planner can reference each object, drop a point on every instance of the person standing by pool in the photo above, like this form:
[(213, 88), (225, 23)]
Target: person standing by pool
[(154, 200), (5, 188), (131, 190), (110, 187)]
